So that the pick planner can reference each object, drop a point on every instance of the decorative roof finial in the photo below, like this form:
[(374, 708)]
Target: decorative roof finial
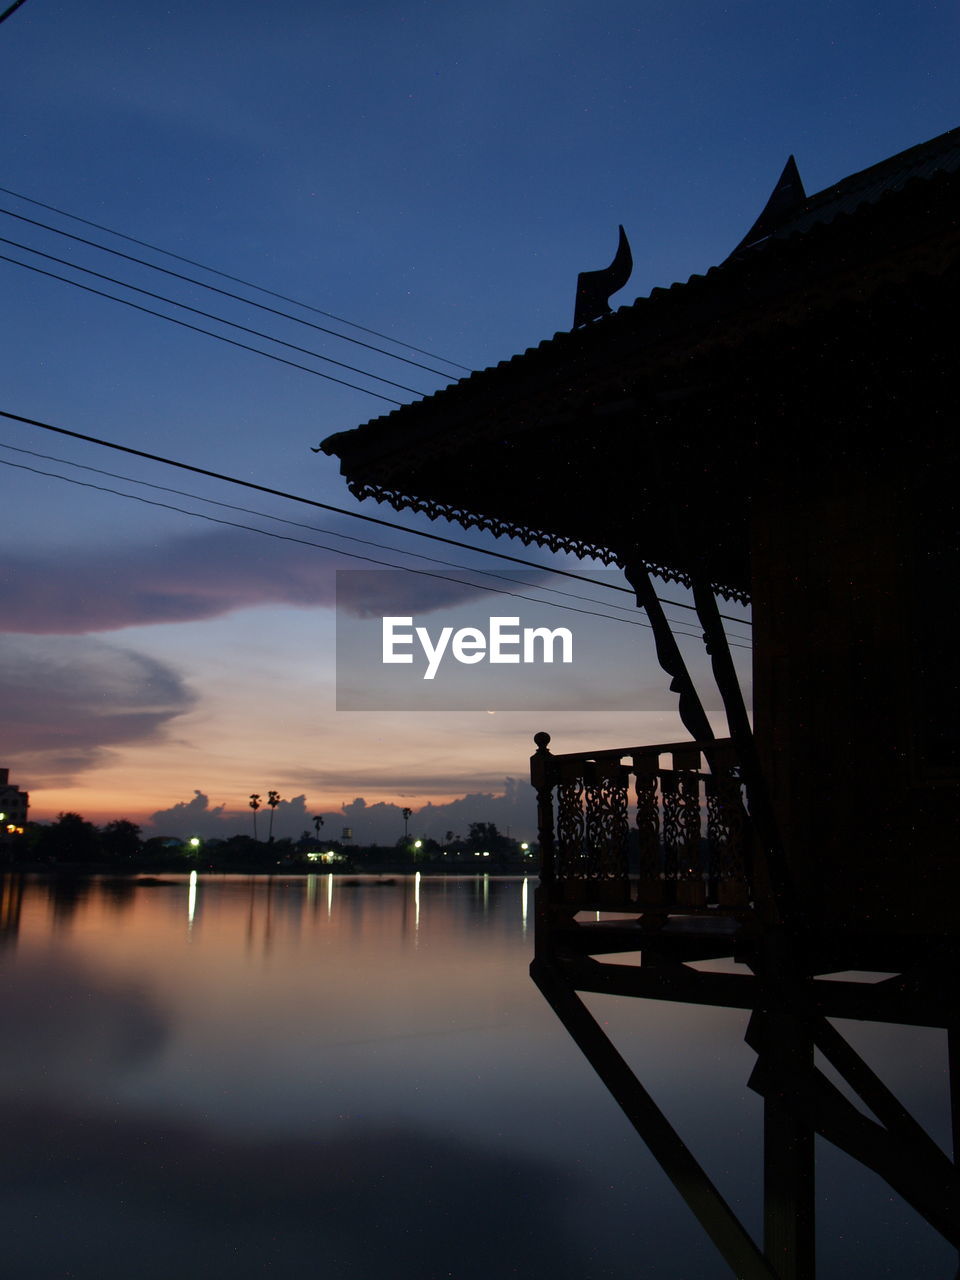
[(786, 198), (595, 287)]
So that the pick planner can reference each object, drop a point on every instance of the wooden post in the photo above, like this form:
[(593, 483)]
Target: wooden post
[(789, 1224), (541, 775), (667, 1147), (690, 707)]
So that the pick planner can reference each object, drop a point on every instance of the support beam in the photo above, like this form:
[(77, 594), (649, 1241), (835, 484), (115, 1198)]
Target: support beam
[(690, 707), (915, 1168), (714, 1214), (776, 880), (789, 1222)]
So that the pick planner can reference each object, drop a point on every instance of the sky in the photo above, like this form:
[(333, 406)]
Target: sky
[(435, 172)]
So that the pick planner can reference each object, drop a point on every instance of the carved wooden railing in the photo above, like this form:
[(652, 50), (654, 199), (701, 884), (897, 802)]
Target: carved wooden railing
[(691, 849)]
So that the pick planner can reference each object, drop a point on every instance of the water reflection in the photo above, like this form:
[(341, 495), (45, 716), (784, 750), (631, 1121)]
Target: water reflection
[(192, 899), (349, 1076)]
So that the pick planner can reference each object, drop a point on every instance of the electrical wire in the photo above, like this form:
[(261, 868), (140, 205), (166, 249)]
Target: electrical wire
[(353, 555), (184, 324), (327, 506), (207, 315), (225, 275), (226, 293), (12, 9), (264, 515)]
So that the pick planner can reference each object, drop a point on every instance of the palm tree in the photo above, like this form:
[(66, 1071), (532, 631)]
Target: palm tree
[(407, 815), (317, 824), (273, 799), (255, 805)]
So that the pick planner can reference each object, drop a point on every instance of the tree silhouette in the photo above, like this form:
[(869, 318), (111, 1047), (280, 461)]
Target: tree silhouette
[(317, 824), (120, 839), (407, 815), (255, 805), (69, 839), (273, 799)]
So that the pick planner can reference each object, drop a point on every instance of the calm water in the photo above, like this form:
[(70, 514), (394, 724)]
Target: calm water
[(306, 1078)]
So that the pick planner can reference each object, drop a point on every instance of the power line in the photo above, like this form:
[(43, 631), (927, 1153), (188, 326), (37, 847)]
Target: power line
[(207, 315), (353, 555), (12, 9), (244, 346), (177, 275), (225, 275), (327, 506), (264, 515)]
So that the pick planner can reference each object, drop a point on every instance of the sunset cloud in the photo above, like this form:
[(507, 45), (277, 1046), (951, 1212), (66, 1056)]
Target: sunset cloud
[(67, 702), (183, 579), (200, 575), (513, 809)]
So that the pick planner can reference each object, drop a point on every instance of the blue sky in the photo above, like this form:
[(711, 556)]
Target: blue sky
[(437, 172)]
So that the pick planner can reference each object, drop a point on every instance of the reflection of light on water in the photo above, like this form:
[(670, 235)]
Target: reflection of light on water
[(416, 902), (486, 892), (523, 906), (311, 890), (192, 898), (329, 893)]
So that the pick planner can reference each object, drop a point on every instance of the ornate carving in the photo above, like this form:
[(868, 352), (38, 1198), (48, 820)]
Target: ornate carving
[(701, 835), (570, 830), (689, 852), (607, 825), (726, 833), (672, 823), (648, 823), (582, 548)]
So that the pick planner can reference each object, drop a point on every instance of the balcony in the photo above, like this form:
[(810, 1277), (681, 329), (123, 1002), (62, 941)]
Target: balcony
[(687, 849)]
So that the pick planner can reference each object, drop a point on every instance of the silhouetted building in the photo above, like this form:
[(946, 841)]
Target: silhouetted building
[(14, 803), (781, 431)]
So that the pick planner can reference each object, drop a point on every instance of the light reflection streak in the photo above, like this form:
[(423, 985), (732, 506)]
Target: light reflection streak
[(416, 903), (191, 900), (329, 893), (523, 907)]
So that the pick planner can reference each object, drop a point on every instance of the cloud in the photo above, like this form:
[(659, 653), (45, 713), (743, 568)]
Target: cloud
[(378, 593), (183, 579), (513, 808), (205, 575), (67, 702), (196, 817)]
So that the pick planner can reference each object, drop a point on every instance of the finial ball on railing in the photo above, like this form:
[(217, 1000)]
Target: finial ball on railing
[(542, 740)]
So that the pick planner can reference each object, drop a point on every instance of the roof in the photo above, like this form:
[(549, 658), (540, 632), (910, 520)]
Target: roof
[(866, 187), (647, 430)]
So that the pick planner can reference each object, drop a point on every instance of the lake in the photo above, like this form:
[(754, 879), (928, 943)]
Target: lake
[(313, 1077)]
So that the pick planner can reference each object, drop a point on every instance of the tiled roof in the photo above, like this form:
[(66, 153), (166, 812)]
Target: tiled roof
[(831, 279), (939, 155), (852, 196)]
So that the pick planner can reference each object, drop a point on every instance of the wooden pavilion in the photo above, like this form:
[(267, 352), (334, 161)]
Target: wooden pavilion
[(780, 430)]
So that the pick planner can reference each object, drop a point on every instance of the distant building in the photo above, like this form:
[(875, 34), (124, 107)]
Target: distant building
[(13, 803)]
